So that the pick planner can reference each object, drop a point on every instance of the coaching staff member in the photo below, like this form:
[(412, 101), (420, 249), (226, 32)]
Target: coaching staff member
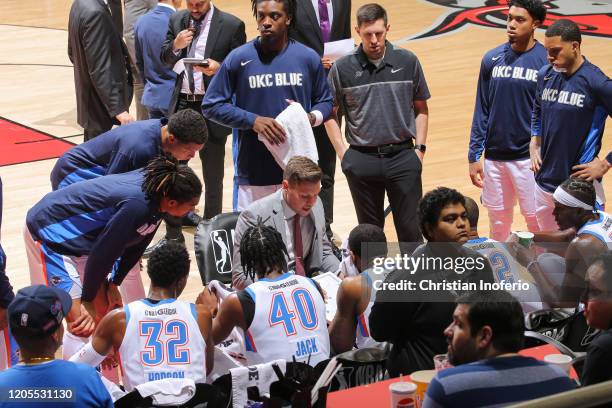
[(383, 155), (102, 76)]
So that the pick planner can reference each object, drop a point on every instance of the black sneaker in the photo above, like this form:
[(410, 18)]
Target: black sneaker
[(191, 220), (159, 244)]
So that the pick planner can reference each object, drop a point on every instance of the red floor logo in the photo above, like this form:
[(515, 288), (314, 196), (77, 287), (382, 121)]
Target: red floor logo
[(22, 144), (593, 17)]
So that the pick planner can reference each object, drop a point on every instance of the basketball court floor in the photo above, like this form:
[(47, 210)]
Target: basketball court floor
[(38, 106)]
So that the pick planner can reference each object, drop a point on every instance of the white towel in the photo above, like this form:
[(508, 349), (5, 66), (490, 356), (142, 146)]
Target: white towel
[(169, 391), (300, 140), (220, 289), (113, 389), (260, 376)]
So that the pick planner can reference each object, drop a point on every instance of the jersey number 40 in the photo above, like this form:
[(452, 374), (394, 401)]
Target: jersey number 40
[(285, 314), (164, 342)]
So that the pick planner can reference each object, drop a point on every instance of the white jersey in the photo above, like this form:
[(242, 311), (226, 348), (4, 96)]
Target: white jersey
[(601, 228), (506, 268), (363, 338), (162, 340), (289, 321)]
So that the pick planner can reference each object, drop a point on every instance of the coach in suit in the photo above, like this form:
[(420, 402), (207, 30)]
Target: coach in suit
[(102, 77), (216, 34), (296, 212), (159, 79), (318, 22)]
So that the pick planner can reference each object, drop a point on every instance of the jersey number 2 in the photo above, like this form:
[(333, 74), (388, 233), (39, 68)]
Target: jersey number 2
[(303, 305), (157, 350)]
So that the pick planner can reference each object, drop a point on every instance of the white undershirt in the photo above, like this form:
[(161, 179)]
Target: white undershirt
[(199, 53)]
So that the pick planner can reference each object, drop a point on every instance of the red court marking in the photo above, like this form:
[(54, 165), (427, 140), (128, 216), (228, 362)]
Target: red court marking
[(22, 144)]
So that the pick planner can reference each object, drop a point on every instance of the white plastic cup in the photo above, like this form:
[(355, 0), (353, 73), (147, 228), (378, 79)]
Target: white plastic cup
[(403, 394), (560, 360)]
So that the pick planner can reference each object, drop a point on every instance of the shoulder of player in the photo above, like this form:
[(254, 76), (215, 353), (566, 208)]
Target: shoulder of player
[(593, 74), (491, 57), (351, 286), (585, 240), (236, 57), (112, 322)]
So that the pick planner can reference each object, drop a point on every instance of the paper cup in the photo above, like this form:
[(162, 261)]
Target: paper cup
[(422, 380), (403, 394), (525, 238), (560, 360)]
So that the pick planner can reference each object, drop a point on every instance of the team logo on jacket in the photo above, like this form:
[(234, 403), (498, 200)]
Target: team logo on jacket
[(593, 17)]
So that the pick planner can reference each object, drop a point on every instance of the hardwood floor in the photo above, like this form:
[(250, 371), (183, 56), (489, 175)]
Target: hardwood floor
[(37, 90)]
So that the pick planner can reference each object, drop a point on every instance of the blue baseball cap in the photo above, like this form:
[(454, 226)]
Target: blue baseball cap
[(39, 308)]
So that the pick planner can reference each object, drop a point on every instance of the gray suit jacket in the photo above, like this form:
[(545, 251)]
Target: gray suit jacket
[(320, 259)]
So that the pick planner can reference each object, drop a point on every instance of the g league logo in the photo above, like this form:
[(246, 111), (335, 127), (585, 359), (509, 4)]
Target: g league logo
[(593, 17), (222, 246)]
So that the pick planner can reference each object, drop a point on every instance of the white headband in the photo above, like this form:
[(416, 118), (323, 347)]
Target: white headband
[(565, 198)]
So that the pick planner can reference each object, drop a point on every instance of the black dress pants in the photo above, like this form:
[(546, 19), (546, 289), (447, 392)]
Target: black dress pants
[(370, 175)]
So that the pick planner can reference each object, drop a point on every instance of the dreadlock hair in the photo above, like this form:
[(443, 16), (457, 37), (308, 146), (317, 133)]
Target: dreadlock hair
[(581, 189), (166, 177), (288, 6), (262, 251)]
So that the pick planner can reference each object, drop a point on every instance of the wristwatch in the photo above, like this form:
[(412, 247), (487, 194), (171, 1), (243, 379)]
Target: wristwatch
[(420, 147)]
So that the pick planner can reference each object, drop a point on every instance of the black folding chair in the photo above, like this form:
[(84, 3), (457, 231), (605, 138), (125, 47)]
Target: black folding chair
[(214, 241)]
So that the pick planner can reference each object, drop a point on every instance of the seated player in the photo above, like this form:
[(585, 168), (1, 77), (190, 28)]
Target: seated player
[(505, 268), (575, 201), (355, 298), (35, 319), (78, 235), (598, 314), (130, 147), (413, 320), (158, 337), (484, 338), (282, 314)]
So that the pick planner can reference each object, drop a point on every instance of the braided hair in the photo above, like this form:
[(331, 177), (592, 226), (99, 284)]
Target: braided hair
[(581, 189), (288, 5), (262, 251), (166, 177)]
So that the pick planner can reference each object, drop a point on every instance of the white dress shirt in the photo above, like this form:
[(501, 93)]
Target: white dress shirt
[(199, 53), (306, 226)]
